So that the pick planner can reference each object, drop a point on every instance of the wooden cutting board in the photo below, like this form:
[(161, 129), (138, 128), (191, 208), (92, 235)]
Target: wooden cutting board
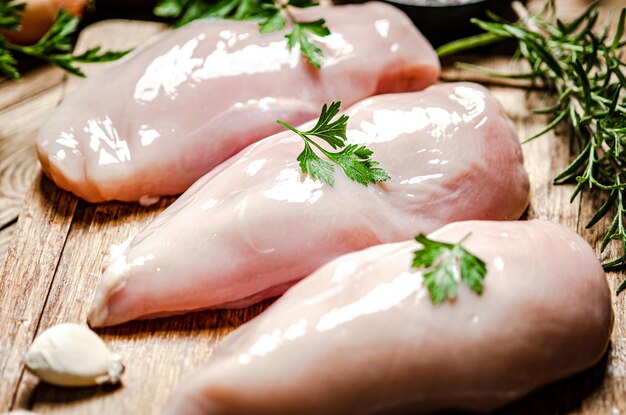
[(53, 267)]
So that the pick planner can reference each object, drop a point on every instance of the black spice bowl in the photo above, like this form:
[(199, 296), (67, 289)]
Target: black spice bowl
[(442, 21)]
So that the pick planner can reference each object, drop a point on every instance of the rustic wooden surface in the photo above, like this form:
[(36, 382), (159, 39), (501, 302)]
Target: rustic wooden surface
[(58, 243)]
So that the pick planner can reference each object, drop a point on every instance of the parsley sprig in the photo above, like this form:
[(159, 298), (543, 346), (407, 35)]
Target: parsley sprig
[(355, 161), (447, 264), (55, 46), (271, 15), (583, 74)]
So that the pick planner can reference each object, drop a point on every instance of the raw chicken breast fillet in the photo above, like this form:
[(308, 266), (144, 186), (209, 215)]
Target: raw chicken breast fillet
[(361, 336), (159, 120), (256, 224)]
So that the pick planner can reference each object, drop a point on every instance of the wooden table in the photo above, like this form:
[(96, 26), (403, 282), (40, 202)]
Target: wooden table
[(55, 245)]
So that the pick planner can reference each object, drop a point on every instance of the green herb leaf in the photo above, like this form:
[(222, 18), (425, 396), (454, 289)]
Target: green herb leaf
[(355, 161), (447, 264), (8, 64), (315, 167), (55, 47), (11, 14), (301, 35), (301, 4), (357, 164), (273, 23), (94, 55), (170, 8), (333, 132), (581, 69)]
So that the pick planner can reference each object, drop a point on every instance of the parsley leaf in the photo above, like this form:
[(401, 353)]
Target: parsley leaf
[(355, 161), (272, 16), (55, 46), (314, 166), (446, 265), (333, 132), (274, 23), (357, 164), (300, 34)]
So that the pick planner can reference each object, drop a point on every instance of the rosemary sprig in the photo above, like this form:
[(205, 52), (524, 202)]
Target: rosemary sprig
[(271, 15), (55, 46), (582, 71)]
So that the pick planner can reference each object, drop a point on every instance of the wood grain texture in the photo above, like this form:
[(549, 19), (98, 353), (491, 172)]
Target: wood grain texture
[(18, 128), (35, 82), (5, 238), (59, 243), (156, 353), (27, 274)]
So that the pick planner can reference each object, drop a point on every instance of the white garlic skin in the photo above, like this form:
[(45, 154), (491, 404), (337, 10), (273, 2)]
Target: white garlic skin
[(72, 355), (19, 412)]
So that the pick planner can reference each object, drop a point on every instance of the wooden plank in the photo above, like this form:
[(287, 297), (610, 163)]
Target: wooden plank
[(18, 128), (17, 173), (37, 81), (159, 352), (26, 276), (5, 238), (25, 119)]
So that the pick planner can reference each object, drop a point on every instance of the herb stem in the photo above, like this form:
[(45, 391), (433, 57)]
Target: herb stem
[(284, 124), (522, 13), (306, 138), (483, 39)]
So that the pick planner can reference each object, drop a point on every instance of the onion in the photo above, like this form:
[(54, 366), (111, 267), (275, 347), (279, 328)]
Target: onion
[(38, 18)]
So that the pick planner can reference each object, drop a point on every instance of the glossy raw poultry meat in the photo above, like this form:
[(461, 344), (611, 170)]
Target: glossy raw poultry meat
[(256, 225), (158, 121), (360, 335)]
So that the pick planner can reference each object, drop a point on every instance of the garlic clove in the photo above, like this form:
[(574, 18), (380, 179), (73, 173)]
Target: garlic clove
[(72, 355)]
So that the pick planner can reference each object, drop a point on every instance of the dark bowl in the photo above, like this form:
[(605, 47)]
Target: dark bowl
[(442, 21)]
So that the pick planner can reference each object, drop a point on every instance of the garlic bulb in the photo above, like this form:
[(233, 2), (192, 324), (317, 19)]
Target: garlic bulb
[(72, 355)]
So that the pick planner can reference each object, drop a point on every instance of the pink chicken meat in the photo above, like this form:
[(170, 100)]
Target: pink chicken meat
[(360, 335), (256, 224), (158, 121)]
